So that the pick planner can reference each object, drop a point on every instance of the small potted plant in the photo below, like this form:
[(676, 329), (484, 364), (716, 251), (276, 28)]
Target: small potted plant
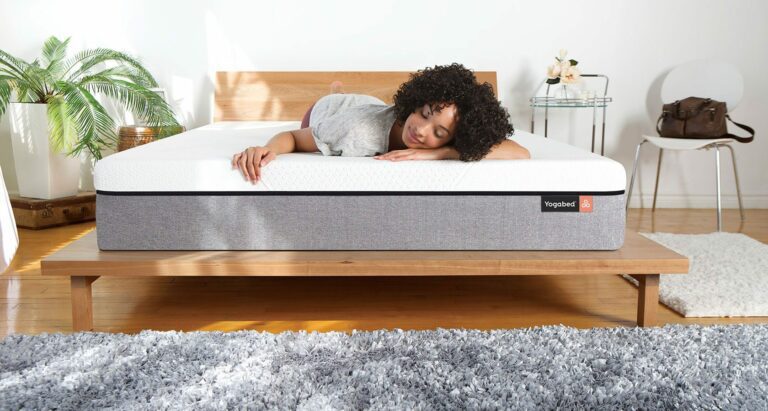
[(55, 113), (565, 73)]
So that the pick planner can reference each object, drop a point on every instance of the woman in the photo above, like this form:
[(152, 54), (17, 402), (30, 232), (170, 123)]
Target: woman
[(440, 113)]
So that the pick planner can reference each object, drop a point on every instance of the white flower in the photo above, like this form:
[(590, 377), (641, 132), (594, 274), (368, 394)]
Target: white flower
[(553, 71), (563, 54), (571, 75)]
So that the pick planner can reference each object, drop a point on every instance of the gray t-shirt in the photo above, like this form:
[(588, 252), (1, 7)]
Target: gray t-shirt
[(352, 125)]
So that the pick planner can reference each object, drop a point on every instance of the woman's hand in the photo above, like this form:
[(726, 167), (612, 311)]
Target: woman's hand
[(440, 153), (251, 160)]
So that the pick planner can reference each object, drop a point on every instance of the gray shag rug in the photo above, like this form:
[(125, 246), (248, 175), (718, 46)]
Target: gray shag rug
[(693, 367)]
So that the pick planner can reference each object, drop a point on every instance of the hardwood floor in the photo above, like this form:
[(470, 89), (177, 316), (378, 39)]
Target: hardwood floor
[(33, 304)]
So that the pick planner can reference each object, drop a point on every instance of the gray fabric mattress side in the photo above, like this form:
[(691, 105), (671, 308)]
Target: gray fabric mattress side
[(353, 222)]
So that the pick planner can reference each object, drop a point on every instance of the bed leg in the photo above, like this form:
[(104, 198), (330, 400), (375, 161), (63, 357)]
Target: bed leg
[(647, 299), (82, 303)]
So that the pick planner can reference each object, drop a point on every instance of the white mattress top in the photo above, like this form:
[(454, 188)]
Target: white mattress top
[(200, 160)]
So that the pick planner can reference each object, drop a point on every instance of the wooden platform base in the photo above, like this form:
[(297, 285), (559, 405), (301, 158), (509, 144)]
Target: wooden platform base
[(84, 263)]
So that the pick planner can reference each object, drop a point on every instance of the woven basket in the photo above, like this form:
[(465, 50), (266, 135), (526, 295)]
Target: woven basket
[(132, 136)]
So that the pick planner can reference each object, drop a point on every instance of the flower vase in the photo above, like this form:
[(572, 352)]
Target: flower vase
[(566, 91)]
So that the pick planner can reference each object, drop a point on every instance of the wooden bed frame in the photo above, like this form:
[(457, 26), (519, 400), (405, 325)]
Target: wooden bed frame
[(286, 96), (85, 263)]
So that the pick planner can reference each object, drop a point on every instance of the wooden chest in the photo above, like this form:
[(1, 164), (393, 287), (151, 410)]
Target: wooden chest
[(36, 213)]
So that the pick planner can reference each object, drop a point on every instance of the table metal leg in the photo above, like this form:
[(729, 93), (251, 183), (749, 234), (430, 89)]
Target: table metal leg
[(602, 134), (658, 174), (717, 181), (82, 303), (736, 175), (594, 122)]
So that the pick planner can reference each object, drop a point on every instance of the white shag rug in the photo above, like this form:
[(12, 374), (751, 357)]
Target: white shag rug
[(728, 275)]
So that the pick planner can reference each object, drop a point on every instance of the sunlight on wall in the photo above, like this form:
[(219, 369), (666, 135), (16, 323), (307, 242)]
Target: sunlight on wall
[(181, 97), (226, 54)]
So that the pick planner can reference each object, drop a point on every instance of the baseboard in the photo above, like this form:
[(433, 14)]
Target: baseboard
[(702, 201)]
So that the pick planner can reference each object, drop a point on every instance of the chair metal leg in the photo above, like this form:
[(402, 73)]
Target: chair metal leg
[(658, 173), (634, 170), (738, 188), (717, 180)]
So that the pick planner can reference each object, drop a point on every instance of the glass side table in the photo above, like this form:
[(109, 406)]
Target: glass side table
[(594, 102)]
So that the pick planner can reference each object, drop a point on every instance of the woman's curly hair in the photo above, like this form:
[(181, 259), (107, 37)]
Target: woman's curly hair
[(482, 121)]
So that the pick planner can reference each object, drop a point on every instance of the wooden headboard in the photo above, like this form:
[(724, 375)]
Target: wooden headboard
[(286, 95)]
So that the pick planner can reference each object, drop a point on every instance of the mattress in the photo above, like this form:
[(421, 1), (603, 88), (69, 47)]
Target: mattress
[(181, 193)]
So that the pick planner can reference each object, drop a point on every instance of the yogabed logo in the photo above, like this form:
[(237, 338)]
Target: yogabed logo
[(585, 204), (568, 203)]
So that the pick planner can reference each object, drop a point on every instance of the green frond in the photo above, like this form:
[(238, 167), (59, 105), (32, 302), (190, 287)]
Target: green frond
[(13, 65), (125, 73), (62, 125), (98, 56), (54, 51), (95, 127), (23, 93), (29, 77), (143, 103), (124, 94), (38, 80), (77, 59), (6, 88)]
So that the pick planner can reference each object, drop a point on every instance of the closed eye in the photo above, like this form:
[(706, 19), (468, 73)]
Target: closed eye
[(445, 132)]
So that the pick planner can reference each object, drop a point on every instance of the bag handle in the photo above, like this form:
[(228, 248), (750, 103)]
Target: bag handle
[(744, 127), (658, 122)]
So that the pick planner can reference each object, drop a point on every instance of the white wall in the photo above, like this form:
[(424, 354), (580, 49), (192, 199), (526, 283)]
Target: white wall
[(635, 43)]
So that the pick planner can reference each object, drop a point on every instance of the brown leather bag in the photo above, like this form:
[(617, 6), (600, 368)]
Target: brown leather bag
[(696, 117)]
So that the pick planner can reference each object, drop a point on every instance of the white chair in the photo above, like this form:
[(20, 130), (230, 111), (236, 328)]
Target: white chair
[(717, 80)]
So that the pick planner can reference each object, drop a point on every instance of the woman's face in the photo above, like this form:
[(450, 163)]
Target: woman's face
[(428, 128)]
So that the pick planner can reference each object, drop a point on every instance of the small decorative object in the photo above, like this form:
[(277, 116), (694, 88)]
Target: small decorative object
[(132, 136), (141, 133), (36, 214), (56, 114), (564, 73)]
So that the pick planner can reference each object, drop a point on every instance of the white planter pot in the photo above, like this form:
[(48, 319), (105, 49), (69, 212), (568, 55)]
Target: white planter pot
[(41, 172)]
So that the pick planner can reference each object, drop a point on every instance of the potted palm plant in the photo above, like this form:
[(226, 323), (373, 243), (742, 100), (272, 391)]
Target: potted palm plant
[(56, 114)]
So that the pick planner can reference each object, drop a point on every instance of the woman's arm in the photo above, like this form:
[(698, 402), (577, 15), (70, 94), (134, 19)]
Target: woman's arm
[(508, 150), (295, 140), (250, 160)]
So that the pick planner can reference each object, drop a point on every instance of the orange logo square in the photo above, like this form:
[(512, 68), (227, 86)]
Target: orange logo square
[(585, 204)]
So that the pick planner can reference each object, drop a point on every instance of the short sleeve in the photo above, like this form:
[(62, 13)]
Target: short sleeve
[(354, 132)]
